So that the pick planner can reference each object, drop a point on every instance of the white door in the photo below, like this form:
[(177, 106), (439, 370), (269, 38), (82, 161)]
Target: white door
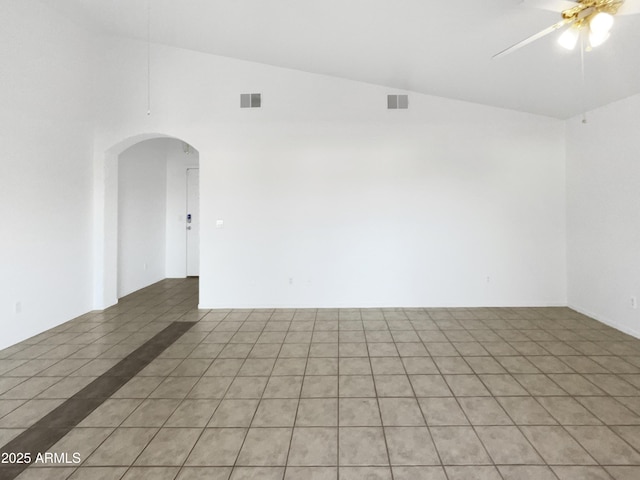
[(193, 222)]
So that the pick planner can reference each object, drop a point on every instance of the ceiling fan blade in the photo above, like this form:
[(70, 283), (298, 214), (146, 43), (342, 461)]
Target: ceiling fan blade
[(630, 7), (533, 38), (552, 5)]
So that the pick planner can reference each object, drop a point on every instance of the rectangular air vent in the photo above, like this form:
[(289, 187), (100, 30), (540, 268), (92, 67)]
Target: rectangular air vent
[(250, 100), (397, 101)]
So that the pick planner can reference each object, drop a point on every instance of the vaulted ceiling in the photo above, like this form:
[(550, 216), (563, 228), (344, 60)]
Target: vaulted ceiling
[(439, 48)]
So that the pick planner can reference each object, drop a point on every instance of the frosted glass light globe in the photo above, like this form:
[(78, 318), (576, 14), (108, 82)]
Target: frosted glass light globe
[(601, 23), (569, 38)]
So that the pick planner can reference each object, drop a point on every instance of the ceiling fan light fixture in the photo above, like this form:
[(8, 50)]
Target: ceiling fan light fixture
[(569, 38), (601, 24)]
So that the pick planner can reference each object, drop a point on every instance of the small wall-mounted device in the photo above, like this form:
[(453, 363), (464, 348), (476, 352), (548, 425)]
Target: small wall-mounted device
[(188, 218), (397, 101), (250, 100)]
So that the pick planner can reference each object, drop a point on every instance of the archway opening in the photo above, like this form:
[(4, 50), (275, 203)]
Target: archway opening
[(143, 231), (158, 213)]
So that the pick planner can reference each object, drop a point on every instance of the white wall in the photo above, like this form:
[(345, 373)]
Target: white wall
[(46, 139), (142, 201), (178, 161), (358, 205), (603, 205)]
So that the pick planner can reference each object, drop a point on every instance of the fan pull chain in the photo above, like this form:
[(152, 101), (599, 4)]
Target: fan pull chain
[(148, 57), (584, 82)]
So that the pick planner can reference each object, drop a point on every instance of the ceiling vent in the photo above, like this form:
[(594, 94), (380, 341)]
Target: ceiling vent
[(397, 101), (250, 100)]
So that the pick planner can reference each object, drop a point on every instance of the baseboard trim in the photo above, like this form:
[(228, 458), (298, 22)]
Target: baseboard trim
[(606, 321)]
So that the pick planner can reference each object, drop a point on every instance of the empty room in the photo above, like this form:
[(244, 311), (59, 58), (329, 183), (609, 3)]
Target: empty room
[(336, 240)]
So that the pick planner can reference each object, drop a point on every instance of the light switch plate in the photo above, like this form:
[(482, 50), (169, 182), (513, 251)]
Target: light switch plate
[(219, 223)]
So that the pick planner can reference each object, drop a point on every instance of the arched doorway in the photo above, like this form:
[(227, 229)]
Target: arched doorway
[(124, 263)]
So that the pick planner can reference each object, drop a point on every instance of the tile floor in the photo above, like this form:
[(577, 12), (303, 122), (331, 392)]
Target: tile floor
[(403, 394)]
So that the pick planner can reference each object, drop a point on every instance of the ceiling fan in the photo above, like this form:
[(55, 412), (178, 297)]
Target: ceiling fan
[(589, 17)]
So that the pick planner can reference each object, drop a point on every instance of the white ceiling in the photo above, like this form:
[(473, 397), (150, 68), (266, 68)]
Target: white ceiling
[(435, 47)]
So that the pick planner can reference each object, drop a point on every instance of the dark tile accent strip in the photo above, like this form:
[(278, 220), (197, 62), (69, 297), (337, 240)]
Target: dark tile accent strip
[(47, 431)]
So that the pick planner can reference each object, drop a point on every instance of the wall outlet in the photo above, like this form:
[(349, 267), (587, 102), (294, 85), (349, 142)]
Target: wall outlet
[(290, 280), (634, 302), (17, 308)]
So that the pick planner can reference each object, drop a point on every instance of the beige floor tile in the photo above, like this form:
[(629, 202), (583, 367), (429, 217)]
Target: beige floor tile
[(410, 446), (138, 387), (368, 473), (81, 440), (234, 413), (442, 411), (362, 446), (393, 386), (151, 413), (317, 412), (473, 473), (609, 410), (605, 446), (459, 446), (466, 386), (314, 446), (275, 413), (257, 473), (430, 386), (400, 412), (506, 445), (624, 473), (484, 411), (359, 412), (170, 446), (526, 473), (289, 366), (311, 473), (452, 365), (419, 366), (217, 447), (568, 411), (265, 447), (354, 366), (356, 386), (50, 473), (485, 365), (556, 446), (575, 384), (224, 367), (387, 366), (322, 366), (418, 473), (526, 411), (581, 473), (503, 385), (174, 387), (539, 385), (192, 413), (283, 387), (28, 413), (98, 473), (320, 386), (122, 447), (151, 473), (631, 434), (244, 387), (204, 473), (111, 413)]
